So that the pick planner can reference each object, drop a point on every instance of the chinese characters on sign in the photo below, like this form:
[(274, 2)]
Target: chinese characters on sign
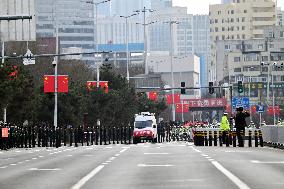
[(206, 103)]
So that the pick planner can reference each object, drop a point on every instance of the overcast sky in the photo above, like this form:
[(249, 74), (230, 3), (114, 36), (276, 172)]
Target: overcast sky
[(202, 6)]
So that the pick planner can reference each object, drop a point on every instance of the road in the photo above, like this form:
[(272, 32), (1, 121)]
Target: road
[(168, 166)]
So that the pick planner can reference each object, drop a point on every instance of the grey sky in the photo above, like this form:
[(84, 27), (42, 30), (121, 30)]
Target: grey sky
[(202, 6)]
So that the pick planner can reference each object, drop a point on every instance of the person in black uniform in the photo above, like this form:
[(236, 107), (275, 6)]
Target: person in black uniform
[(240, 124)]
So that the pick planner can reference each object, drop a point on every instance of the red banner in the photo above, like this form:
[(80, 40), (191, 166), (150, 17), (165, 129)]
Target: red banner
[(5, 132), (153, 95), (206, 103), (93, 84), (276, 109), (182, 108), (170, 99), (62, 83)]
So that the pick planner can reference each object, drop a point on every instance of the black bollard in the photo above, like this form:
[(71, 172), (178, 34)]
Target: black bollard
[(92, 136), (109, 134), (30, 136), (121, 134), (255, 138), (113, 135), (125, 135), (64, 135), (96, 135), (70, 136), (234, 139), (101, 135), (215, 138), (76, 137), (250, 138), (26, 137), (88, 135), (220, 138), (104, 133), (227, 139), (210, 138), (260, 138), (205, 138), (129, 134), (117, 135)]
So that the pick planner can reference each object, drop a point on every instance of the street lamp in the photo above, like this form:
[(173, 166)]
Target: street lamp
[(126, 41), (144, 10), (171, 22), (270, 74), (95, 6), (249, 92)]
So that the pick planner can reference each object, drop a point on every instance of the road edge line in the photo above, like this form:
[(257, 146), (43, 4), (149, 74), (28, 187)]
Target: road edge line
[(230, 175), (85, 179)]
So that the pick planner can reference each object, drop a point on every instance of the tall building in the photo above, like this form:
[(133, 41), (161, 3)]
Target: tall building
[(280, 17), (161, 4), (241, 20), (159, 33), (17, 30), (201, 42), (127, 7), (248, 61), (75, 22)]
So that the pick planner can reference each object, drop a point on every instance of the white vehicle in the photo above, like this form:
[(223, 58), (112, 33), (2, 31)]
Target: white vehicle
[(145, 127)]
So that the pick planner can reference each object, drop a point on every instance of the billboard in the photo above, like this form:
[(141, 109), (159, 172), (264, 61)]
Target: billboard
[(17, 30)]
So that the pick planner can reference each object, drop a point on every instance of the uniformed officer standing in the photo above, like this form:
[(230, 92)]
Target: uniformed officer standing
[(240, 124)]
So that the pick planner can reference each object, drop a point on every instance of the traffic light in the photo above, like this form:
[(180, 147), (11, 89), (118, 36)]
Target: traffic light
[(211, 88), (182, 85), (240, 87)]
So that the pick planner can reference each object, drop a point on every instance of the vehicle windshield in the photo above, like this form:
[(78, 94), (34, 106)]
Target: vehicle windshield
[(143, 124)]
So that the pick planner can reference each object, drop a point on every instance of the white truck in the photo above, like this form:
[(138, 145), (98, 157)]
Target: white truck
[(145, 127)]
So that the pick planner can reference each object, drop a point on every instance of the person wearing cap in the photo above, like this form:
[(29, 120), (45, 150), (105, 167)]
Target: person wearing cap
[(225, 126), (240, 124)]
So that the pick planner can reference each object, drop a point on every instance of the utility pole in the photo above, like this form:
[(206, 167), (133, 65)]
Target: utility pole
[(144, 10)]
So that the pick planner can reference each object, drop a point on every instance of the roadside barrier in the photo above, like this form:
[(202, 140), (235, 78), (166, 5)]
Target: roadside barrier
[(44, 136), (205, 137)]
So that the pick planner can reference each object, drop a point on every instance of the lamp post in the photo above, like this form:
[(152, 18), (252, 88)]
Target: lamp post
[(126, 41), (249, 92), (95, 6), (144, 10), (270, 74), (171, 57)]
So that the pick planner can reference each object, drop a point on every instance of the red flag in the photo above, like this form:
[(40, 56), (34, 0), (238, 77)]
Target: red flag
[(253, 109), (48, 86), (270, 110), (176, 99), (62, 84), (104, 85), (91, 85), (153, 96), (182, 108)]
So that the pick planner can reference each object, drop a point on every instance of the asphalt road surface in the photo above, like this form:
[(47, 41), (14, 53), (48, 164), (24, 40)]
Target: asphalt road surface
[(167, 166)]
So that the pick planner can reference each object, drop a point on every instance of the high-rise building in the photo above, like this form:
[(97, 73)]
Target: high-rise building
[(280, 17), (161, 4), (159, 33), (201, 44), (226, 1), (241, 20), (75, 22), (17, 30), (127, 7)]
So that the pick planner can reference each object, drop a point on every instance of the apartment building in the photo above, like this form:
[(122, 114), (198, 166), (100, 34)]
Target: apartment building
[(280, 17), (247, 61), (240, 20)]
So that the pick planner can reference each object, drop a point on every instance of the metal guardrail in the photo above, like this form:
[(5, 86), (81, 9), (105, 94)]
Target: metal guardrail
[(273, 134)]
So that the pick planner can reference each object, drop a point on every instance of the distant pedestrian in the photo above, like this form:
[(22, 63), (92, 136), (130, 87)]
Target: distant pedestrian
[(225, 126), (240, 124)]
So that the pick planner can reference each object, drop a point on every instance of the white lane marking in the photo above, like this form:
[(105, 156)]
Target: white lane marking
[(3, 167), (121, 151), (20, 162), (148, 165), (13, 164), (208, 157), (195, 149), (126, 147), (18, 151), (109, 147), (156, 153), (89, 148), (37, 169), (34, 158), (232, 177), (211, 159), (104, 163), (108, 161), (88, 155), (238, 151), (267, 162), (116, 155), (112, 158), (204, 155), (69, 155), (27, 160), (81, 183), (40, 156)]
